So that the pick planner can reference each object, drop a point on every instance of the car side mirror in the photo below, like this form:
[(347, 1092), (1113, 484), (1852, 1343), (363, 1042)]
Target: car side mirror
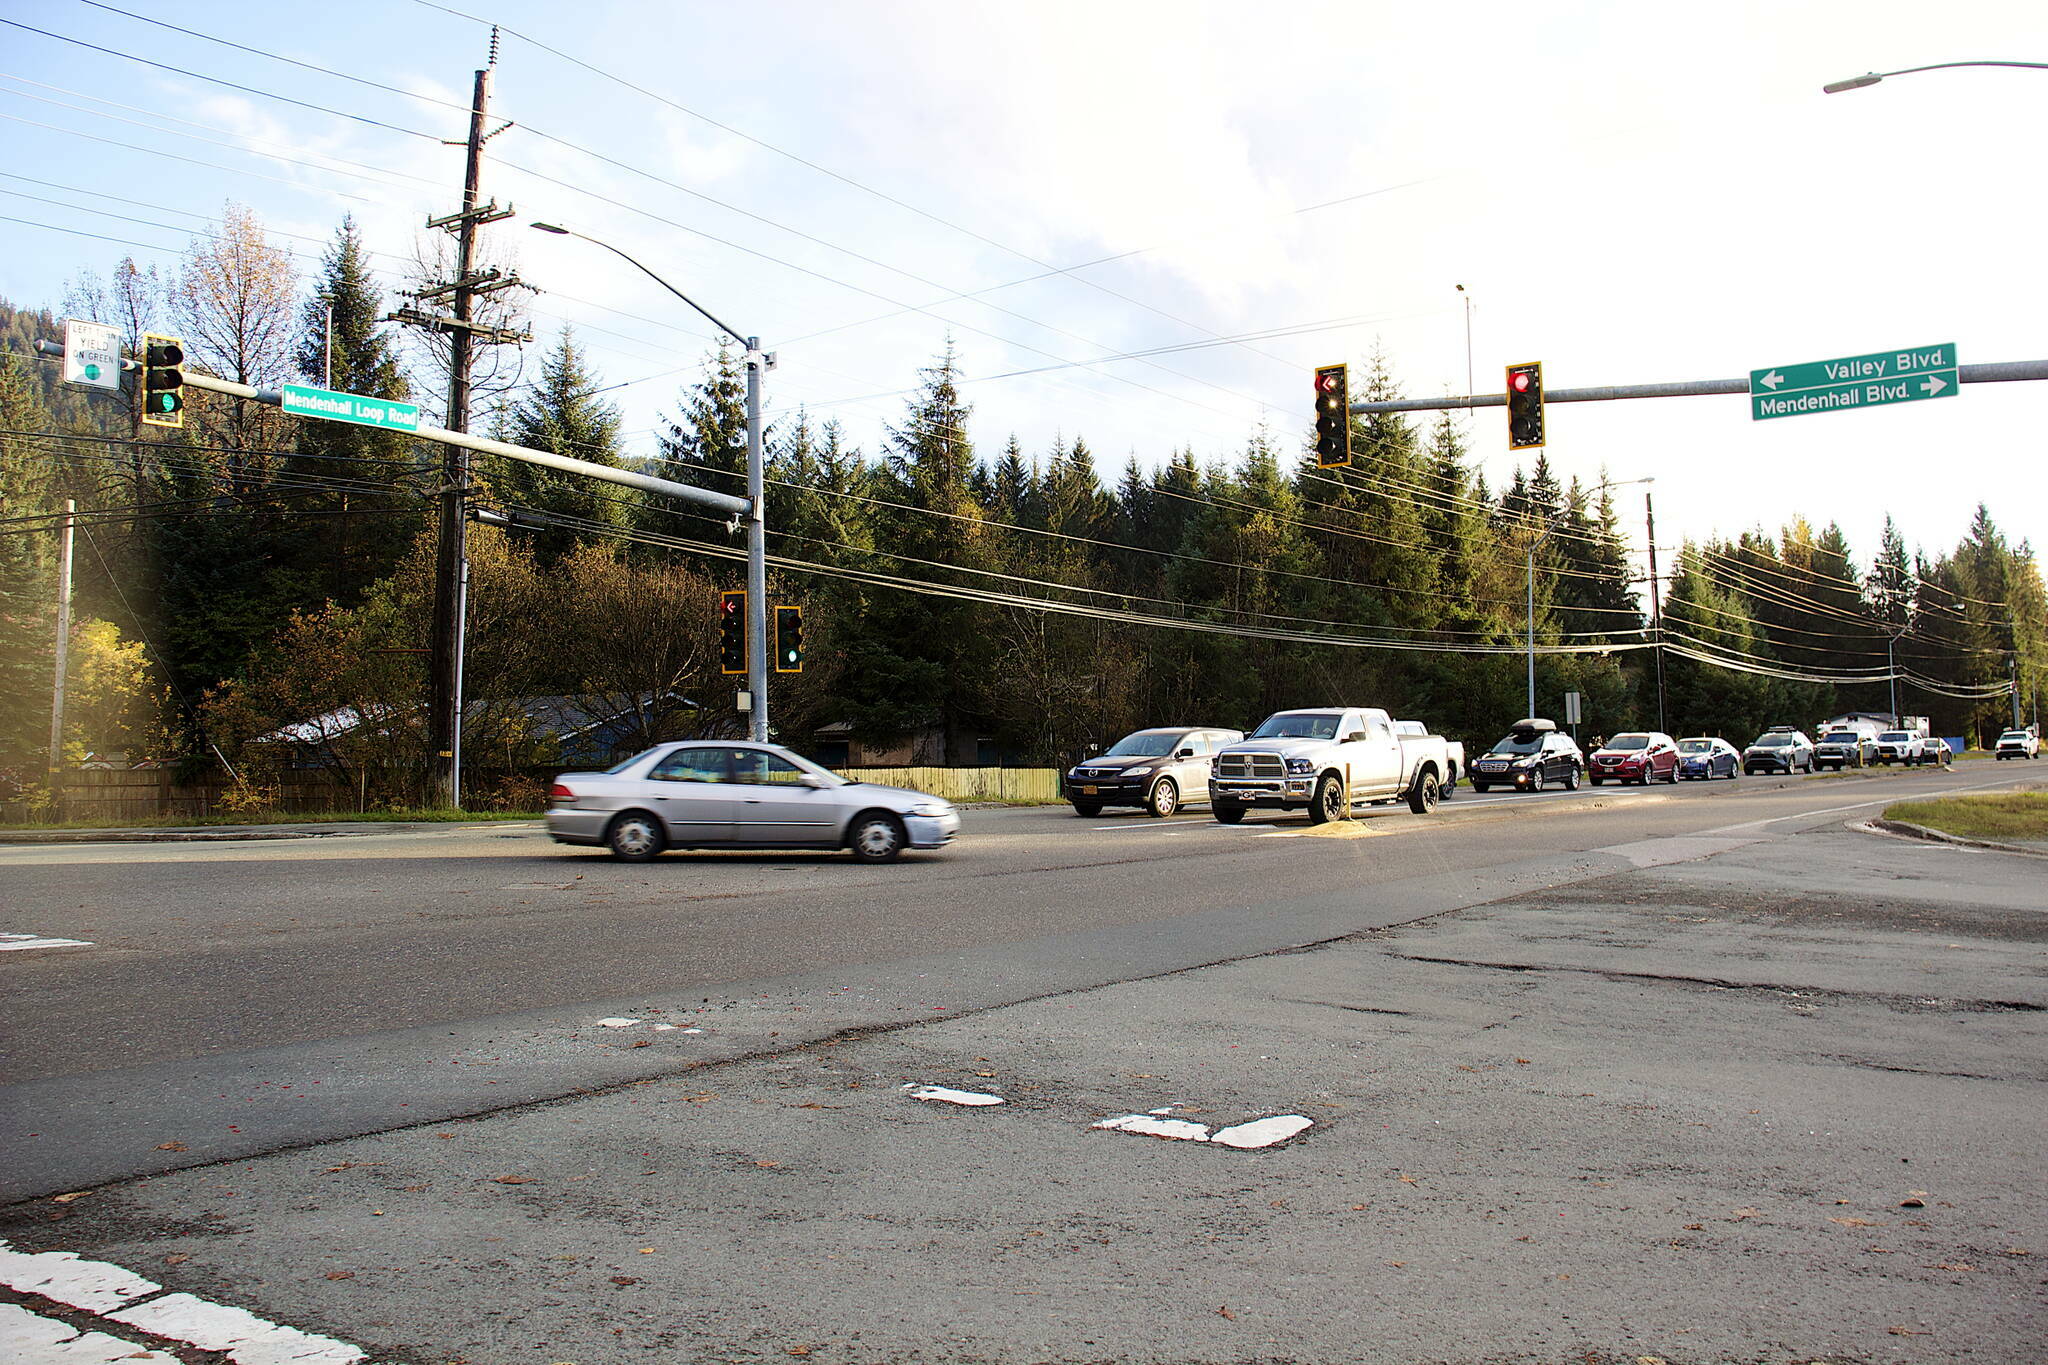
[(813, 781), (1183, 753), (1354, 737)]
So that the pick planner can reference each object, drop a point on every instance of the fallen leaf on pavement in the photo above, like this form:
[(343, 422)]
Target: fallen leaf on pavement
[(341, 1274), (1222, 1312), (1523, 1061), (624, 1279), (1695, 1227), (1915, 1199), (1908, 1332), (67, 1198), (1855, 1222), (172, 1147), (178, 1258), (513, 1179), (1741, 1214), (1951, 1265)]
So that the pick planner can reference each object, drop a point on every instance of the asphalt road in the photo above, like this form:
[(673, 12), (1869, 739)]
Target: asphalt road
[(1614, 1075)]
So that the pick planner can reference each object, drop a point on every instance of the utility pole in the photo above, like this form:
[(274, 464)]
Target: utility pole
[(63, 643), (757, 554), (451, 557), (1656, 602)]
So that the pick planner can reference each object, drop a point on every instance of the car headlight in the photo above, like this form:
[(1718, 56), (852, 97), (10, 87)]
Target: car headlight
[(1301, 765), (1138, 771), (932, 809)]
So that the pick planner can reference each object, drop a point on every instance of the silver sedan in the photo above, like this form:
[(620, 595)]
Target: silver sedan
[(714, 794)]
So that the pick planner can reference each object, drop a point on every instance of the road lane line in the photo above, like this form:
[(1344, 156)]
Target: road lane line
[(18, 942)]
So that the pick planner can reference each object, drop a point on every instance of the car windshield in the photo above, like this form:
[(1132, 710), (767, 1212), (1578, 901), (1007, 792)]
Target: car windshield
[(1772, 741), (1144, 744), (1840, 737), (1696, 746), (1299, 725), (1893, 737), (1629, 742), (624, 764), (2021, 735), (1520, 742)]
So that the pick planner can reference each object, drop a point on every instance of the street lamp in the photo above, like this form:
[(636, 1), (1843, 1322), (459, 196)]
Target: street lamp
[(1872, 78), (757, 529)]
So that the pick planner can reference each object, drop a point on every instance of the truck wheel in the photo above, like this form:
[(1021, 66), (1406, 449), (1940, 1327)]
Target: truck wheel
[(1328, 802), (1228, 814), (1422, 793)]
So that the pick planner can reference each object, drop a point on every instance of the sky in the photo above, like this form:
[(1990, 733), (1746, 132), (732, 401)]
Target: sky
[(1628, 193)]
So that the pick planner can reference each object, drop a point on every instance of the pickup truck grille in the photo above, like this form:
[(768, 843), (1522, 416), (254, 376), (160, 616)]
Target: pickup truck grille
[(1249, 765)]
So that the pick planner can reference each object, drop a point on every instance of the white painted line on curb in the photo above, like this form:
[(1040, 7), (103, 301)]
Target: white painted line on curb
[(91, 1285), (248, 1339), (1179, 1129), (16, 942), (27, 1339), (943, 1095)]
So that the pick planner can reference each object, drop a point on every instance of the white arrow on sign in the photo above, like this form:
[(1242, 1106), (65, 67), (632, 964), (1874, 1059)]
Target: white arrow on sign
[(1772, 380), (1935, 384)]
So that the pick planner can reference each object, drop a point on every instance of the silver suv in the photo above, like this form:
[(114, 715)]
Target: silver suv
[(1158, 770), (1779, 749)]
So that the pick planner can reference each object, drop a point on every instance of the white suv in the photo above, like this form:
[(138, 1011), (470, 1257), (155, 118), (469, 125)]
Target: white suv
[(2019, 744)]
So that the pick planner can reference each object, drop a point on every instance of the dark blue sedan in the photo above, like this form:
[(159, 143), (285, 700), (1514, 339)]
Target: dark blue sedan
[(1708, 758)]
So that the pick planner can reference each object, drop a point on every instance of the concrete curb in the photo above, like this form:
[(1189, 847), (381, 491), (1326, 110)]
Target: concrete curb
[(1901, 829)]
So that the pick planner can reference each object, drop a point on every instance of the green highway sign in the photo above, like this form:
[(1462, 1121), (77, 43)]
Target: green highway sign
[(1907, 375), (391, 415)]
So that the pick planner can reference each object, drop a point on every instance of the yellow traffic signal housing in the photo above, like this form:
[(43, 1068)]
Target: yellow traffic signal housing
[(1525, 405), (1333, 417)]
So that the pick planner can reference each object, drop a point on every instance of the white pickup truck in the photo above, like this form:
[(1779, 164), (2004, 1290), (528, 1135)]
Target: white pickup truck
[(1454, 752), (1306, 760)]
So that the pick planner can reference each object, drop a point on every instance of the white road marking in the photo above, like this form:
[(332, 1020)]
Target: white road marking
[(1246, 1136), (61, 1275), (1261, 1132), (944, 1095), (97, 1287), (27, 1339), (617, 1023), (18, 941), (248, 1339)]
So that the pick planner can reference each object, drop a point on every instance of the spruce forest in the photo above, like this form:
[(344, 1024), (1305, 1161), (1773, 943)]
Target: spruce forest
[(254, 577)]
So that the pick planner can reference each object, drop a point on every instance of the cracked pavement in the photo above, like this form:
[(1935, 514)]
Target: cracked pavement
[(1781, 1103)]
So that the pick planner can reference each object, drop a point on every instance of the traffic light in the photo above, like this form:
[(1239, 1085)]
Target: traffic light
[(1333, 417), (1525, 406), (732, 632), (789, 639), (163, 383)]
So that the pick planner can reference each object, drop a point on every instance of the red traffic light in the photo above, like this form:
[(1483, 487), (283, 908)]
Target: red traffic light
[(1329, 383), (1520, 380)]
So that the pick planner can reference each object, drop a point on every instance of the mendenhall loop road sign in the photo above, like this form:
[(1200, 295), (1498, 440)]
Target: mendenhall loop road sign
[(1907, 375), (304, 401)]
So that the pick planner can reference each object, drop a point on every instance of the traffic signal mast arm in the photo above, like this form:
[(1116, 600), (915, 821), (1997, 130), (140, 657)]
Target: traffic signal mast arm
[(724, 502), (2002, 372)]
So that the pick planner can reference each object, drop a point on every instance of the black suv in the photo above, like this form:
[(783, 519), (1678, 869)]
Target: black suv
[(1528, 756)]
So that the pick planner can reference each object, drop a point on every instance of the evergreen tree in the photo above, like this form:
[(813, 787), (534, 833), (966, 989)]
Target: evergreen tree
[(561, 415)]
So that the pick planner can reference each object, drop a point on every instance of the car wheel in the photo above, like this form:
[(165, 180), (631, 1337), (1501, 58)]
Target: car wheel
[(1328, 802), (1571, 779), (876, 837), (1672, 777), (1087, 810), (1596, 781), (1422, 793), (1228, 814), (1165, 798), (1478, 786), (635, 837)]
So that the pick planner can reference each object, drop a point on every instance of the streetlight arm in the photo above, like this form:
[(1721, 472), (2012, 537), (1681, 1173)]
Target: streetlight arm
[(732, 332), (1858, 82)]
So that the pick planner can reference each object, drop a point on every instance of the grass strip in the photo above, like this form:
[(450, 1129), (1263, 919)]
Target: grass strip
[(1996, 816)]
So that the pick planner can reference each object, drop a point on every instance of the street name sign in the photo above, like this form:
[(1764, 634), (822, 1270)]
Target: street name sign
[(386, 413), (1907, 375), (92, 354)]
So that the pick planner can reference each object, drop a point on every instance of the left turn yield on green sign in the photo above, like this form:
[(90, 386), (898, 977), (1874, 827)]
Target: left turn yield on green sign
[(389, 414), (92, 354)]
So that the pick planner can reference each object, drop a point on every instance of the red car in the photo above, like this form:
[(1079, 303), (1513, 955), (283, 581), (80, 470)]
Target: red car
[(1636, 757)]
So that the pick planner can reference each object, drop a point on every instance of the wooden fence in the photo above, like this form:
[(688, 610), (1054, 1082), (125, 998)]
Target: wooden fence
[(968, 784)]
